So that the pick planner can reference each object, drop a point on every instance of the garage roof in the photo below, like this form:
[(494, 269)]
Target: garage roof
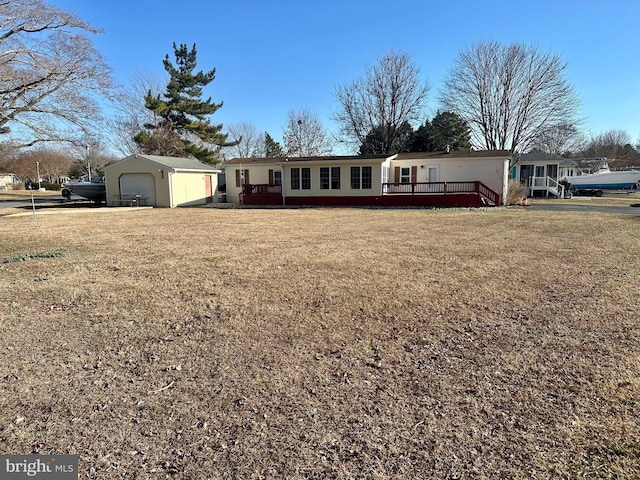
[(174, 163)]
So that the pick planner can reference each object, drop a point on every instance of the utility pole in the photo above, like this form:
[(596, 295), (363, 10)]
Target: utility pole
[(88, 164)]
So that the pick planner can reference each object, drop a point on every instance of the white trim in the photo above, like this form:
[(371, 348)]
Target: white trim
[(170, 180), (195, 170)]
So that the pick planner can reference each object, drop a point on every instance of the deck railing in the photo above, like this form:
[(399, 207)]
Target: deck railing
[(424, 188), (262, 189), (441, 188), (547, 184)]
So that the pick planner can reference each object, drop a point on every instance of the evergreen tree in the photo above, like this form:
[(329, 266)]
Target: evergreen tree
[(375, 142), (272, 148), (183, 127), (446, 129)]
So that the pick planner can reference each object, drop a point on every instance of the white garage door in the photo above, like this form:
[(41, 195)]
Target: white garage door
[(142, 184)]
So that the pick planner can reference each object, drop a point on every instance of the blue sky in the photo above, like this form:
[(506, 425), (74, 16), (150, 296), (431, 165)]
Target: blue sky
[(272, 57)]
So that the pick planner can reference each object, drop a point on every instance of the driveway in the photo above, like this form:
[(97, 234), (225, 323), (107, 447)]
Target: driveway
[(43, 202)]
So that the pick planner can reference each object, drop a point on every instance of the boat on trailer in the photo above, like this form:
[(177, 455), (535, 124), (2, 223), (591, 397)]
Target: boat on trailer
[(602, 178), (94, 191)]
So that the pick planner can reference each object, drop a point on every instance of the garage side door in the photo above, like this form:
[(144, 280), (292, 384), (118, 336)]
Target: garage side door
[(139, 184)]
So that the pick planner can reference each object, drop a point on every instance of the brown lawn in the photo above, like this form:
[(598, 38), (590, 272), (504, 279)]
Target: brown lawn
[(323, 343), (26, 194)]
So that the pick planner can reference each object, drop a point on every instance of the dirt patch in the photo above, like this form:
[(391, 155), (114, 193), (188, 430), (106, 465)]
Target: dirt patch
[(323, 343)]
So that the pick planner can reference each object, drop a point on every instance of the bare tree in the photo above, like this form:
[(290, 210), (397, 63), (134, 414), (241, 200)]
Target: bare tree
[(563, 140), (305, 136), (131, 115), (608, 144), (616, 146), (24, 169), (509, 94), (250, 141), (91, 156), (388, 95), (53, 164), (50, 73)]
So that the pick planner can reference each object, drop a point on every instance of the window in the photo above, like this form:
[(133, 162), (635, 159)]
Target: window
[(360, 177), (275, 177), (300, 177), (306, 178), (295, 179), (335, 178), (355, 177), (405, 175), (324, 178), (366, 177), (526, 172), (329, 178)]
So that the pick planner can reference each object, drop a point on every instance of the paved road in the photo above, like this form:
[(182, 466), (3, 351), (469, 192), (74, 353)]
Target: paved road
[(26, 203), (563, 207)]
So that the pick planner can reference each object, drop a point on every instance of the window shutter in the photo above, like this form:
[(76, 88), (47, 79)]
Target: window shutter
[(246, 177), (396, 175), (270, 176), (237, 177), (414, 174)]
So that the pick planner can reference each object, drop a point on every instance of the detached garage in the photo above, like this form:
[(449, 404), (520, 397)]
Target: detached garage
[(161, 182)]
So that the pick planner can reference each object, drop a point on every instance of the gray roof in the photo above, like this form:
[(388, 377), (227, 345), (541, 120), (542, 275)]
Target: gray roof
[(176, 163), (534, 155), (454, 154), (292, 159)]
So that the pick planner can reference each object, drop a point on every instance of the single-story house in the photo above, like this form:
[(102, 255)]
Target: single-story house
[(540, 173), (405, 179), (161, 181), (8, 180)]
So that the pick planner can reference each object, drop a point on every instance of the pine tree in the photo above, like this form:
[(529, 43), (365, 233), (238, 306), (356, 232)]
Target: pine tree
[(272, 148), (183, 127), (446, 129)]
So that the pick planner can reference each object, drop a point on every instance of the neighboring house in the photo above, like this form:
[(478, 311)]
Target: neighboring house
[(8, 180), (406, 179), (161, 181), (540, 173)]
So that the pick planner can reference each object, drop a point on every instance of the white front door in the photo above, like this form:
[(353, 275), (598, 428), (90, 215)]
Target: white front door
[(433, 173)]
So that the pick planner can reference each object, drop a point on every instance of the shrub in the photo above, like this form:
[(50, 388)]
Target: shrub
[(515, 192), (50, 186), (567, 186)]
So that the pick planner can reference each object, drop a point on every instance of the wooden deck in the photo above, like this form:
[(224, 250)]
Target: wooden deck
[(427, 194)]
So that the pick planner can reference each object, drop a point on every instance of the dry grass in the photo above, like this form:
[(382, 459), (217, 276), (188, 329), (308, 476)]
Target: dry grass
[(323, 343), (26, 194), (608, 199)]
